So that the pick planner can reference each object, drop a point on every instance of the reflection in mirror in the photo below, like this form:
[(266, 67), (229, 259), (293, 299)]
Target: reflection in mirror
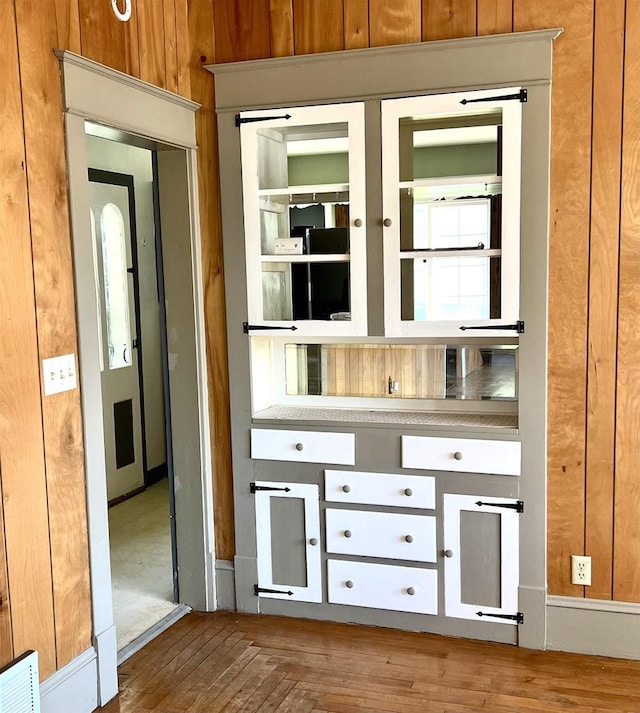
[(450, 217), (421, 371)]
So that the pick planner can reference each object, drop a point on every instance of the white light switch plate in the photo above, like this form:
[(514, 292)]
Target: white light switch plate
[(59, 374)]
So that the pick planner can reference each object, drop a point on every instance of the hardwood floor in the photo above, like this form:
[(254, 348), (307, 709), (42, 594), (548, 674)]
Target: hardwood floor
[(210, 663)]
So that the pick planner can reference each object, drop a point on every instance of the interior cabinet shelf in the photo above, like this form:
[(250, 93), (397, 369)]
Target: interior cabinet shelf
[(320, 188), (427, 254), (339, 257)]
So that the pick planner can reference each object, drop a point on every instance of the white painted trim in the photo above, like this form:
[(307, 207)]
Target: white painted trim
[(106, 647), (593, 627), (72, 688), (396, 50), (594, 605)]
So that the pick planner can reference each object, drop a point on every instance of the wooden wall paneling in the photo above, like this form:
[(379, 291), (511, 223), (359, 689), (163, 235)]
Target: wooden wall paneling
[(395, 22), (68, 24), (318, 26), (132, 44), (183, 49), (443, 19), (102, 35), (356, 24), (626, 574), (568, 276), (170, 46), (56, 324), (494, 16), (201, 33), (281, 27), (26, 525), (151, 41), (6, 636), (603, 292), (241, 30)]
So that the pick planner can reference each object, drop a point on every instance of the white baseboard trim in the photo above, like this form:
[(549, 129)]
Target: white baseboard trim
[(74, 688), (593, 626), (106, 648)]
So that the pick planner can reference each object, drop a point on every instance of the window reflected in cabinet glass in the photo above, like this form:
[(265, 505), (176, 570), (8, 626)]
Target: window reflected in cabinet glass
[(450, 217), (421, 371)]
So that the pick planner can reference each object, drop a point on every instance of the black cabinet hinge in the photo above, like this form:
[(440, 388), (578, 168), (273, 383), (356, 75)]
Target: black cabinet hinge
[(518, 506), (518, 617), (246, 327), (516, 327), (261, 590), (521, 96), (252, 119), (253, 488)]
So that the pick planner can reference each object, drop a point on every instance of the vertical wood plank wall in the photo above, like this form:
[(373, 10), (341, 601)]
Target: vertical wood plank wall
[(594, 333)]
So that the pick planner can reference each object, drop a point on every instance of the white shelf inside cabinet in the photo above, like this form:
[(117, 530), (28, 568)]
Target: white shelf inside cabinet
[(427, 254), (318, 189), (329, 257)]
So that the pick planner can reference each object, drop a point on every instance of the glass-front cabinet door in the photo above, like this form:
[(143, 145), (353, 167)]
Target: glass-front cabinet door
[(304, 213), (451, 213)]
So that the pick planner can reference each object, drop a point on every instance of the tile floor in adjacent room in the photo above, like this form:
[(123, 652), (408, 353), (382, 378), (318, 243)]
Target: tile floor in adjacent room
[(140, 540)]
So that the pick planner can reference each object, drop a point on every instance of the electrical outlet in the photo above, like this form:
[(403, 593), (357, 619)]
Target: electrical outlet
[(581, 570)]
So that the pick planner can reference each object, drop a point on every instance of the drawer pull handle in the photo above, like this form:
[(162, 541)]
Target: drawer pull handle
[(346, 488), (448, 553), (358, 222), (408, 538), (349, 584), (457, 455), (347, 533), (408, 492), (313, 541), (299, 446), (411, 591), (387, 222)]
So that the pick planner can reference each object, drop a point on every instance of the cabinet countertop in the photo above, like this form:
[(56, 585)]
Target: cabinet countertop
[(505, 423)]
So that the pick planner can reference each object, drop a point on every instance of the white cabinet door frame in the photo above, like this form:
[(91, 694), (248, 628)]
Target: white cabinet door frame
[(509, 557), (443, 105), (326, 115), (310, 495)]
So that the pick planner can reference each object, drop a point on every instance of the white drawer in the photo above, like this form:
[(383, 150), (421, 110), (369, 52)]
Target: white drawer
[(383, 586), (381, 534), (408, 491), (303, 446), (464, 455)]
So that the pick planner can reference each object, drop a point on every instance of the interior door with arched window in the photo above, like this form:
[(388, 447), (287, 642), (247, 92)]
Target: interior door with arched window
[(114, 244)]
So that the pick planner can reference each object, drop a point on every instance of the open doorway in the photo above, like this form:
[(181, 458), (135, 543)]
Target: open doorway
[(127, 251)]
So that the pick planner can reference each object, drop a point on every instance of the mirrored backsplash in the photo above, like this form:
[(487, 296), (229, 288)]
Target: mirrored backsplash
[(415, 371)]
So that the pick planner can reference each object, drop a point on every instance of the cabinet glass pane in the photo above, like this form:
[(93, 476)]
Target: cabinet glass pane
[(303, 184), (423, 371), (450, 217)]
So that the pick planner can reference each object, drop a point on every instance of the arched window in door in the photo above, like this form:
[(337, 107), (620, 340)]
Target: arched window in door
[(116, 293)]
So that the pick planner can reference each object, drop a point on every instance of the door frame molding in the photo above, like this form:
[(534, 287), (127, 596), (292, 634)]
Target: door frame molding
[(95, 93)]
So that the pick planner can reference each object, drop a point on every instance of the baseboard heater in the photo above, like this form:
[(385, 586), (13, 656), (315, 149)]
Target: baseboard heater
[(19, 686)]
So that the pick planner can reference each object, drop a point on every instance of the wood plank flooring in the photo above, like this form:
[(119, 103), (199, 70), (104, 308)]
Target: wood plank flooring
[(224, 662)]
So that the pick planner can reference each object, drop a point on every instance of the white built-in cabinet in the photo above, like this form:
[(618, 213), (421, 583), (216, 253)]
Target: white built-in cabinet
[(449, 213)]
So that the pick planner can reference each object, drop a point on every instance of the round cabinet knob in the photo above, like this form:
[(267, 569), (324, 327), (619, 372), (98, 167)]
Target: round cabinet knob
[(408, 538), (346, 488), (457, 455), (313, 541), (349, 584), (358, 223), (411, 591), (299, 446), (387, 222), (347, 533), (448, 553), (408, 492)]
